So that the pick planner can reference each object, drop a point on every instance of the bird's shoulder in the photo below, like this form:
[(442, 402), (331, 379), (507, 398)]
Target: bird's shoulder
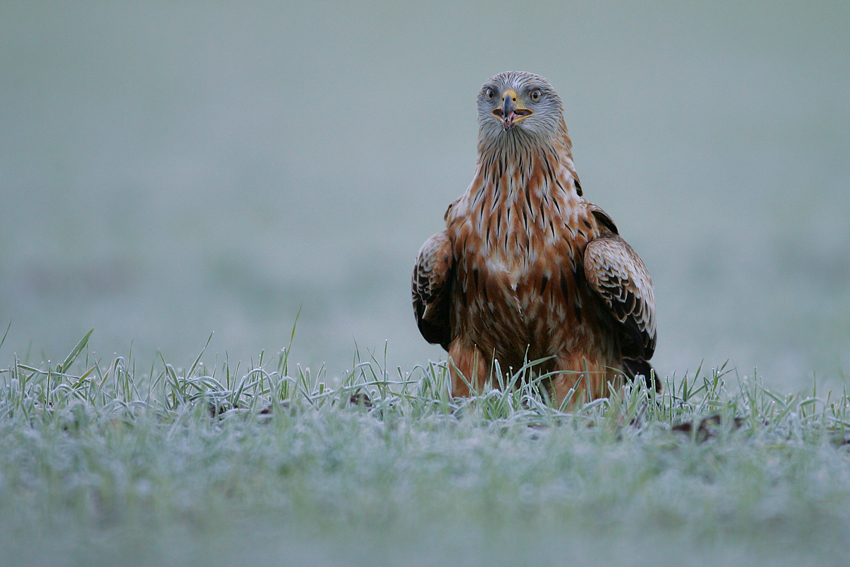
[(451, 210), (605, 224)]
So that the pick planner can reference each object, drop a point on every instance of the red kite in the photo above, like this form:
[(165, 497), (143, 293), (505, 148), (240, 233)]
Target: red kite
[(526, 268)]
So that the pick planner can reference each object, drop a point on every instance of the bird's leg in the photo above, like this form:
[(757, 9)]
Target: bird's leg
[(581, 380), (468, 367)]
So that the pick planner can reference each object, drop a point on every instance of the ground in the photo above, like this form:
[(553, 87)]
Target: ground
[(105, 463)]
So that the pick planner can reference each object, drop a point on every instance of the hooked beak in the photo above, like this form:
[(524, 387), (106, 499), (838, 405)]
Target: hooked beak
[(509, 113)]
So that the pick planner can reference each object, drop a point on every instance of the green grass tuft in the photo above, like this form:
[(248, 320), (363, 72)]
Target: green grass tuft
[(101, 464)]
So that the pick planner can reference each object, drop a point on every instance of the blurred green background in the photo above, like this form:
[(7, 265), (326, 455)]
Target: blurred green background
[(172, 169)]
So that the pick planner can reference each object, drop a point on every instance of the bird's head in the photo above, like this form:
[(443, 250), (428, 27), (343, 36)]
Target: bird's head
[(517, 102)]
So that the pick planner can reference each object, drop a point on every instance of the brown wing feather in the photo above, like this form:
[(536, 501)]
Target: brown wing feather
[(616, 273), (431, 288)]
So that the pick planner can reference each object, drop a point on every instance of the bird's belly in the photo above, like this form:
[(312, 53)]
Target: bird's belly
[(522, 310), (526, 283), (504, 274)]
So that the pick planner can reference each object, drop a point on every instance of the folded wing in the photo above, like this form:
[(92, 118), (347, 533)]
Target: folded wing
[(431, 288), (616, 273)]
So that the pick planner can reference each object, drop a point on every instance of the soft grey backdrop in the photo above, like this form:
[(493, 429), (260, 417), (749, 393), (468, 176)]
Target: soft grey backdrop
[(170, 169)]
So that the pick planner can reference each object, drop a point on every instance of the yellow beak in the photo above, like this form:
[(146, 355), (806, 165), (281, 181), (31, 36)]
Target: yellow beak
[(510, 112)]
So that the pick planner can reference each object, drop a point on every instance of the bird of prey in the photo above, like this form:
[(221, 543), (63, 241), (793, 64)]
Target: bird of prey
[(526, 268)]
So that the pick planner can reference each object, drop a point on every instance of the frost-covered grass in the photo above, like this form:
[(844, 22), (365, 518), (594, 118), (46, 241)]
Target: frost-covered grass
[(108, 462)]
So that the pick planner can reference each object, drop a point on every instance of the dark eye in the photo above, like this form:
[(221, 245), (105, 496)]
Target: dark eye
[(489, 94), (535, 95)]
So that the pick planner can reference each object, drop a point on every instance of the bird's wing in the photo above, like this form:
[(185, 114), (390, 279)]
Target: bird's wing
[(432, 289), (616, 273)]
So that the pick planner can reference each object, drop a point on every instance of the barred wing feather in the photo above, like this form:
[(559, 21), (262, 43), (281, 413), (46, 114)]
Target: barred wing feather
[(431, 287), (616, 273)]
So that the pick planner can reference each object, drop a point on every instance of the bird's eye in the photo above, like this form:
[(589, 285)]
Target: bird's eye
[(489, 94), (535, 95)]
